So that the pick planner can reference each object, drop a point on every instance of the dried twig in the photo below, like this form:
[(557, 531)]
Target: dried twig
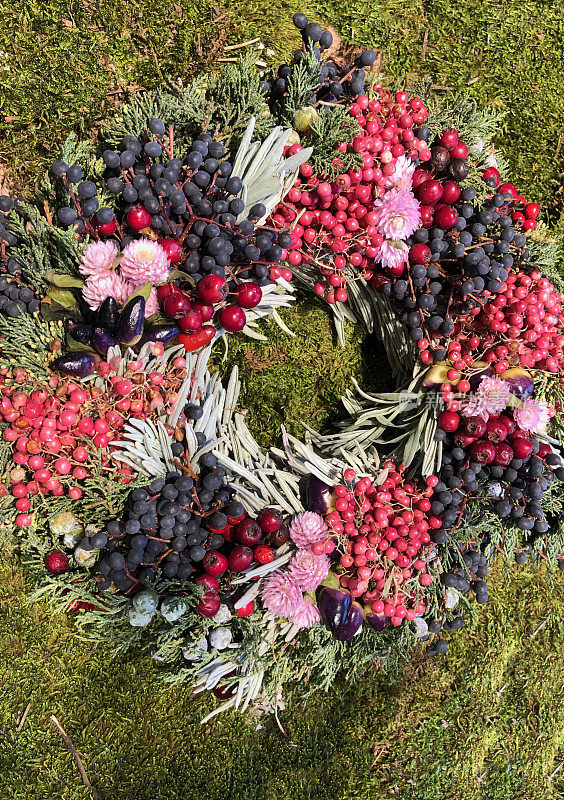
[(424, 46), (75, 755), (23, 717), (542, 625), (242, 44), (554, 771)]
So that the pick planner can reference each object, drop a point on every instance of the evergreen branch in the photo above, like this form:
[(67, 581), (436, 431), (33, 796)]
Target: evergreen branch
[(42, 246), (327, 131), (546, 252), (26, 342), (301, 86)]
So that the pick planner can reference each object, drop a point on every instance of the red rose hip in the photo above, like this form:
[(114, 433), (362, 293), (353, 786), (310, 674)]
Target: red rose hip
[(173, 249), (420, 253), (212, 289), (209, 605), (269, 520), (209, 583), (248, 532), (240, 558), (191, 322), (264, 554), (215, 563), (430, 192), (522, 447), (483, 451), (176, 305), (248, 294), (232, 318), (56, 562), (138, 218), (449, 421)]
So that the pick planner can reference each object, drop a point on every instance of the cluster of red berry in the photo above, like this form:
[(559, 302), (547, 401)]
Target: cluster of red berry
[(521, 326), (383, 535), (497, 441), (51, 427), (335, 222), (212, 290), (437, 187), (253, 541)]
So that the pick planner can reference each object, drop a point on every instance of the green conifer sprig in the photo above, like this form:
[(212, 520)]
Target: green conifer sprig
[(42, 246), (301, 84), (326, 132), (26, 342), (221, 104)]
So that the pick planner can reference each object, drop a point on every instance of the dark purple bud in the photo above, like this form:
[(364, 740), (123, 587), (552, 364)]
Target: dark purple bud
[(319, 495), (376, 621), (103, 340), (351, 625), (76, 365), (107, 315), (165, 334), (81, 334), (476, 378), (334, 606), (131, 322), (520, 381)]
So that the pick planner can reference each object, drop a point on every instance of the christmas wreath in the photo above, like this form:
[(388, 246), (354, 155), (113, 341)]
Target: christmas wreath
[(129, 477)]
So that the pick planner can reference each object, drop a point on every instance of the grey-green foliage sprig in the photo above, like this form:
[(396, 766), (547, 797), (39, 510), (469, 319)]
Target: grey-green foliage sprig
[(401, 423)]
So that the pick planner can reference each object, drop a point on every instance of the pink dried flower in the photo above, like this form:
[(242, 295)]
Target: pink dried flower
[(106, 284), (306, 614), (308, 528), (308, 569), (490, 399), (98, 257), (402, 177), (392, 254), (281, 595), (399, 214), (533, 415), (144, 261), (152, 303)]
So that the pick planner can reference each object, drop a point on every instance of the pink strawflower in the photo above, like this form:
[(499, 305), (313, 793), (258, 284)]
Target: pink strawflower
[(533, 415), (106, 284), (490, 399), (98, 257), (306, 615), (399, 214), (392, 254), (281, 594), (308, 569), (308, 528), (144, 261), (402, 177)]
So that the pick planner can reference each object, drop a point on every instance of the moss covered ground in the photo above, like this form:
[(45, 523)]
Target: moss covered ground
[(486, 721)]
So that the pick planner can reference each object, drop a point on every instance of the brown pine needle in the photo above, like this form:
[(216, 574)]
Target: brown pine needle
[(23, 717), (75, 755)]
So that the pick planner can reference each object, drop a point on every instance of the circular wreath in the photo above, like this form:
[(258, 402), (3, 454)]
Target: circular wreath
[(129, 477)]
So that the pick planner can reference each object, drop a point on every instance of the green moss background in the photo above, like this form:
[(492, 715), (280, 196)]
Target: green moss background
[(483, 723)]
